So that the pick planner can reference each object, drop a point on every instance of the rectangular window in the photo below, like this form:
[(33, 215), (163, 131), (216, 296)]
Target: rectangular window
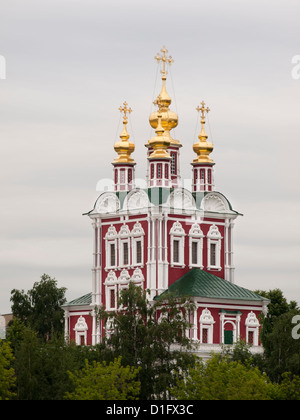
[(213, 254), (139, 252), (166, 171), (122, 176), (209, 176), (250, 337), (129, 175), (112, 298), (152, 171), (205, 335), (125, 253), (176, 251), (159, 170), (173, 163), (195, 175), (195, 253), (202, 176), (112, 255)]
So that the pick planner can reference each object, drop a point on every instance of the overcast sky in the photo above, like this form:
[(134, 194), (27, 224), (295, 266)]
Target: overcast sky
[(70, 64)]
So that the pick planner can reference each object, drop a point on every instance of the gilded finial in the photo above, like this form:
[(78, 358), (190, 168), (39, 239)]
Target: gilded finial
[(124, 148), (203, 148), (124, 109), (169, 119), (204, 111), (164, 59)]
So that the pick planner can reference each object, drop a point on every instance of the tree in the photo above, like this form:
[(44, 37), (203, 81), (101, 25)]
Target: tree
[(102, 381), (40, 308), (150, 336), (278, 305), (7, 373), (223, 379), (281, 350)]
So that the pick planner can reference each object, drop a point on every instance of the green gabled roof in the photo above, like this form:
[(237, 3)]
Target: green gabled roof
[(83, 300), (200, 283)]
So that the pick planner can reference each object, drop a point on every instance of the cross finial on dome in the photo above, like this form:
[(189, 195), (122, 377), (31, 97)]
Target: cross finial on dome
[(124, 109), (164, 59), (203, 110)]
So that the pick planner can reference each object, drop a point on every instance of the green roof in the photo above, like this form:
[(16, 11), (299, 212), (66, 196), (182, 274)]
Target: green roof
[(83, 300), (200, 283)]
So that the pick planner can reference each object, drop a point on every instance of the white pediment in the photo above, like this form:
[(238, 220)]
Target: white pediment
[(214, 202), (181, 199), (137, 199), (107, 203)]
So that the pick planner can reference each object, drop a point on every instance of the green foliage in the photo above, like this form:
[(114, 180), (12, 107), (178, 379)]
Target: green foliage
[(102, 381), (281, 350), (40, 308), (146, 342), (222, 379), (7, 373), (289, 388), (41, 367), (159, 347)]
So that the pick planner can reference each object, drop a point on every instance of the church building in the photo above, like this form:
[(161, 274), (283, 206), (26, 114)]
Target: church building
[(167, 238)]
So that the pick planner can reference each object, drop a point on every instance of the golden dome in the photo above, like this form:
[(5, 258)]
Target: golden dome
[(159, 143), (124, 147), (203, 148), (169, 119)]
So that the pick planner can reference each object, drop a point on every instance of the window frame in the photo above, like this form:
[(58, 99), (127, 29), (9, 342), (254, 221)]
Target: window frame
[(196, 236), (214, 238), (177, 233)]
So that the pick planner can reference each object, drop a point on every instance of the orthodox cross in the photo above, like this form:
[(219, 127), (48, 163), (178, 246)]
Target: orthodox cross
[(124, 109), (164, 59), (202, 109)]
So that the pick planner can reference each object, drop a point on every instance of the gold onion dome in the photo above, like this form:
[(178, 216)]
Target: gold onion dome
[(159, 143), (124, 147), (169, 119), (203, 148)]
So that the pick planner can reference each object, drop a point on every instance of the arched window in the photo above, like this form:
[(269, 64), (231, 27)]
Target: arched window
[(111, 291), (252, 329), (81, 329), (206, 323)]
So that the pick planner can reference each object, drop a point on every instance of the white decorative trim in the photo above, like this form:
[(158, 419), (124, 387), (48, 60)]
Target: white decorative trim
[(196, 236), (136, 199), (181, 199), (177, 229), (111, 233), (206, 321), (137, 276), (234, 320), (137, 230), (215, 203), (252, 325), (80, 329), (214, 238), (107, 203), (177, 233)]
